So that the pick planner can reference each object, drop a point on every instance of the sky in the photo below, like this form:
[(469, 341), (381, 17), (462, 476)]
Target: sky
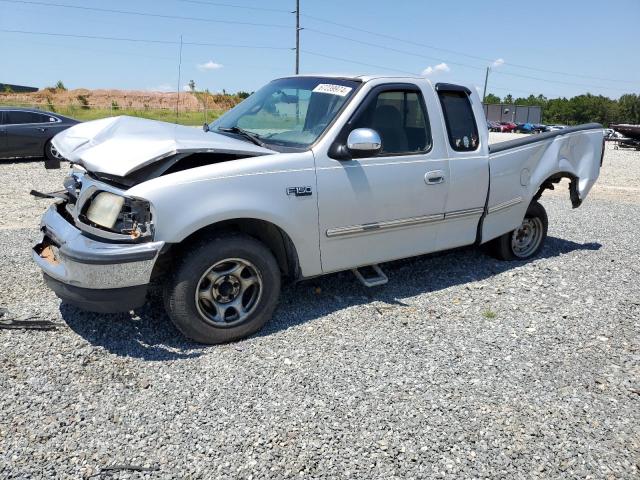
[(555, 48)]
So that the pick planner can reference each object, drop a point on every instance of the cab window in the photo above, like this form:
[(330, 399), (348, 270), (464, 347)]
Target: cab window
[(460, 121), (400, 118)]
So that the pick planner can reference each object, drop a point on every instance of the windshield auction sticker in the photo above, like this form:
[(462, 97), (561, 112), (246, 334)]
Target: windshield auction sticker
[(332, 89)]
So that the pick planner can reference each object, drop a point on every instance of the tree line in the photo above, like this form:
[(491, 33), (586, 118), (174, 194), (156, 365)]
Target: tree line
[(580, 109)]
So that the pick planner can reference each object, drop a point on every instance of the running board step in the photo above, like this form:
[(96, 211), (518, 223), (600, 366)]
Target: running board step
[(370, 275)]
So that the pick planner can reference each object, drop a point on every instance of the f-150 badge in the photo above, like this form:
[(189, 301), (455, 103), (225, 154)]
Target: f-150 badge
[(299, 191)]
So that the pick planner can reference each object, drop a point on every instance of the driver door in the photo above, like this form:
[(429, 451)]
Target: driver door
[(389, 205)]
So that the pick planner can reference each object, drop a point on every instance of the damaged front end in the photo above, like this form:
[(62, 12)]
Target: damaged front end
[(101, 209), (97, 249)]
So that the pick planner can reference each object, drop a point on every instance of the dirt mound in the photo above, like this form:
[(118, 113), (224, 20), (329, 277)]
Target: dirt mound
[(121, 98)]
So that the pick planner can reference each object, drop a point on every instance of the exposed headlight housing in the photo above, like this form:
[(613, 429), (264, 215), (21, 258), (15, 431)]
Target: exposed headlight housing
[(104, 209), (119, 215)]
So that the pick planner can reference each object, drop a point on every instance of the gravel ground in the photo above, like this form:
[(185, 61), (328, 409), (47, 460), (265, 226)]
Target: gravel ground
[(462, 366)]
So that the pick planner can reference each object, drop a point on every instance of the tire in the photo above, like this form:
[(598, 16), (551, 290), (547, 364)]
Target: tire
[(50, 152), (223, 289), (525, 241), (51, 156)]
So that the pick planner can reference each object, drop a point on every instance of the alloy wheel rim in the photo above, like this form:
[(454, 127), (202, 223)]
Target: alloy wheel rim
[(527, 237), (228, 292), (54, 152)]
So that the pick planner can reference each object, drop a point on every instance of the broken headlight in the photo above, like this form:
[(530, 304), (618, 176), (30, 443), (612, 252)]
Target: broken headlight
[(118, 214), (105, 209)]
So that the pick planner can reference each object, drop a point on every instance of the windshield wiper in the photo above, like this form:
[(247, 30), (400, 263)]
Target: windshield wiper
[(252, 137)]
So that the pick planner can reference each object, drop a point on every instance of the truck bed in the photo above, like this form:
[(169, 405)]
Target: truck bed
[(522, 168), (529, 139)]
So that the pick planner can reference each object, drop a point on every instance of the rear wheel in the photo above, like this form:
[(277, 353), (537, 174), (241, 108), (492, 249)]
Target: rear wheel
[(525, 241), (223, 289)]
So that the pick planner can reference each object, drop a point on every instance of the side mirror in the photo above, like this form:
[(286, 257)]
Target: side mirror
[(205, 127), (364, 142)]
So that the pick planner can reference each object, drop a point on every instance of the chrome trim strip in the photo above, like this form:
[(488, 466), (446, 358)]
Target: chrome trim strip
[(470, 212), (404, 222), (505, 205), (377, 226)]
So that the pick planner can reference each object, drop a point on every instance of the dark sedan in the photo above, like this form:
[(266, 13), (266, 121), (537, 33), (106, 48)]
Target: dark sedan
[(26, 133)]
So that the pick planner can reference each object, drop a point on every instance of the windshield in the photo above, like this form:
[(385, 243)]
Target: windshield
[(291, 112)]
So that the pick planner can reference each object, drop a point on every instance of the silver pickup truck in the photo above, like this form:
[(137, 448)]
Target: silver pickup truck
[(309, 175)]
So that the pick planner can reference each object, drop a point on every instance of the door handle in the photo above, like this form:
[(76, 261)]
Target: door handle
[(434, 177), (41, 129)]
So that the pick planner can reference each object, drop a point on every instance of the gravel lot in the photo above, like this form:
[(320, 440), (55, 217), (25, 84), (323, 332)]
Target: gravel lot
[(460, 367)]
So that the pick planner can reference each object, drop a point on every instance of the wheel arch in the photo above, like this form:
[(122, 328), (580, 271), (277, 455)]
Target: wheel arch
[(274, 237), (550, 182)]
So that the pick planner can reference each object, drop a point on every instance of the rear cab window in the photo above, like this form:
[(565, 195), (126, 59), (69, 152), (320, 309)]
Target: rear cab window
[(459, 118)]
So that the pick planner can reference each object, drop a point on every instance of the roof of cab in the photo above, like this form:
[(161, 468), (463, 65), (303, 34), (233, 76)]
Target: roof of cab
[(359, 77)]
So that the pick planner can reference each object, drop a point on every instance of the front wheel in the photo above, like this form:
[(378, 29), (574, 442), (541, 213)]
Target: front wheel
[(223, 290), (51, 153), (52, 157), (525, 241)]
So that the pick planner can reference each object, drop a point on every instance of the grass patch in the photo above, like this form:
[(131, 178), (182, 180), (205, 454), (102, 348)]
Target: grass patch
[(83, 113), (489, 314)]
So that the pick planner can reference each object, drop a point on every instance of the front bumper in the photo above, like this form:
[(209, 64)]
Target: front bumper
[(94, 275)]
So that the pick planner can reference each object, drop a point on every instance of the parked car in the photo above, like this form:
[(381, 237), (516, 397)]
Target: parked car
[(26, 133), (525, 128), (355, 172), (494, 126), (554, 128), (529, 128), (507, 127)]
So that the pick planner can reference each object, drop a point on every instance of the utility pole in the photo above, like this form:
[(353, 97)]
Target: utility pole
[(179, 72), (486, 78), (298, 37)]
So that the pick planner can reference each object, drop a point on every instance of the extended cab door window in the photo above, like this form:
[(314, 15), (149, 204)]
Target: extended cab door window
[(460, 121), (400, 118)]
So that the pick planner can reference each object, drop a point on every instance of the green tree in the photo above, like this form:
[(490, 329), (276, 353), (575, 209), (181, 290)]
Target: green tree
[(508, 99), (60, 86), (491, 98), (629, 109), (192, 85)]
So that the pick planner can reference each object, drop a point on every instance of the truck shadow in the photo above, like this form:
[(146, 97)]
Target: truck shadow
[(148, 333)]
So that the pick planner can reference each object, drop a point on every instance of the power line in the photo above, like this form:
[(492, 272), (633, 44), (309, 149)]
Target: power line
[(145, 14), (391, 37), (475, 57), (231, 5), (558, 81), (413, 74), (384, 47), (351, 27), (141, 40)]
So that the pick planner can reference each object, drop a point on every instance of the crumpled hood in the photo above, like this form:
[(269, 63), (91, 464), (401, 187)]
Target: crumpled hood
[(119, 145)]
